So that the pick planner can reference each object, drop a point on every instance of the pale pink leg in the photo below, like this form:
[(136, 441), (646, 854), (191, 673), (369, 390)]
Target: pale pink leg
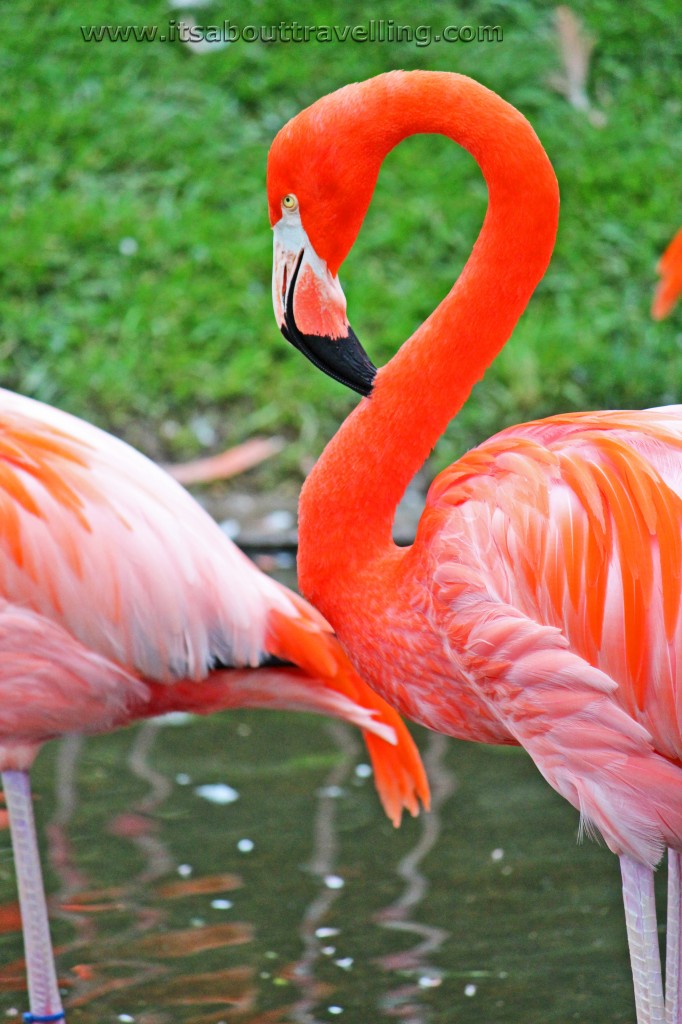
[(645, 956), (43, 992), (673, 949)]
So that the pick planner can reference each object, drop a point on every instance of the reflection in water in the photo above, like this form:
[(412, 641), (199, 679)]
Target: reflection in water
[(71, 901), (139, 826), (126, 942), (60, 852), (148, 941), (322, 865), (404, 1002), (143, 934), (135, 942)]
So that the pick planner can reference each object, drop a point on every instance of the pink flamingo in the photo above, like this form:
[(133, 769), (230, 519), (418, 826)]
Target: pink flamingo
[(540, 602), (669, 288), (121, 599)]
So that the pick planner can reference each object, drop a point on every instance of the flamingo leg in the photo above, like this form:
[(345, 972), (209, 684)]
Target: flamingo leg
[(645, 956), (673, 948), (44, 998)]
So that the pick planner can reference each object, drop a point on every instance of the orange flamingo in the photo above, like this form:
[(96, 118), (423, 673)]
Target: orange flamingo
[(120, 598), (669, 288), (540, 602)]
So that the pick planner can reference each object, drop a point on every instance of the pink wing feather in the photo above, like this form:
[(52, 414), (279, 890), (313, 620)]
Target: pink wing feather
[(557, 558), (78, 505)]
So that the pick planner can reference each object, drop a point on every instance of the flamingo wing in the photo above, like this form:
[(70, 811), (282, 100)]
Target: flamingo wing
[(557, 560), (100, 540)]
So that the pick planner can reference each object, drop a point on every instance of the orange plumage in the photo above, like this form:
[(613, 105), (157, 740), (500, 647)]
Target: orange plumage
[(669, 287)]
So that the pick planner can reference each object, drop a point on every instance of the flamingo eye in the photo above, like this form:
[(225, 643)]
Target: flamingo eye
[(290, 202)]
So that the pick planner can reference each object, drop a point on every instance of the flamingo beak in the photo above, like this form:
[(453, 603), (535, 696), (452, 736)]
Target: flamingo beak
[(310, 309)]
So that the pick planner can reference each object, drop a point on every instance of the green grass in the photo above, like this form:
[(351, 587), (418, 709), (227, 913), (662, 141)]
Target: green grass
[(104, 143)]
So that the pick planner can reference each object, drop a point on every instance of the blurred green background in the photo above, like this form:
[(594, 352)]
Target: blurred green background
[(135, 263)]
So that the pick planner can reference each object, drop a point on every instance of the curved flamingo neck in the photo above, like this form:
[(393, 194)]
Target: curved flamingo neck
[(349, 500)]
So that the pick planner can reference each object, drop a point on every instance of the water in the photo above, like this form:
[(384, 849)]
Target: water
[(287, 897)]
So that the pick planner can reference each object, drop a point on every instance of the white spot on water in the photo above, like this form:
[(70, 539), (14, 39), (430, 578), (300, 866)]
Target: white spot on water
[(429, 981), (217, 793), (332, 791)]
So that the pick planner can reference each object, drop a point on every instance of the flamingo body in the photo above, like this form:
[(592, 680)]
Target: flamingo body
[(540, 605), (540, 602)]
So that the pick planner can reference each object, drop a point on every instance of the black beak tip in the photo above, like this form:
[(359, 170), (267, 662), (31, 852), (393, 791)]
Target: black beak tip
[(342, 359)]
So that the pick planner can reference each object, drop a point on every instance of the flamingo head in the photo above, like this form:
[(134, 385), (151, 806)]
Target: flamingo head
[(320, 182)]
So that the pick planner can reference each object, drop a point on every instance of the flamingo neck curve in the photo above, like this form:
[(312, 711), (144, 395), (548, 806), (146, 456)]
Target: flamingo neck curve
[(348, 503)]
